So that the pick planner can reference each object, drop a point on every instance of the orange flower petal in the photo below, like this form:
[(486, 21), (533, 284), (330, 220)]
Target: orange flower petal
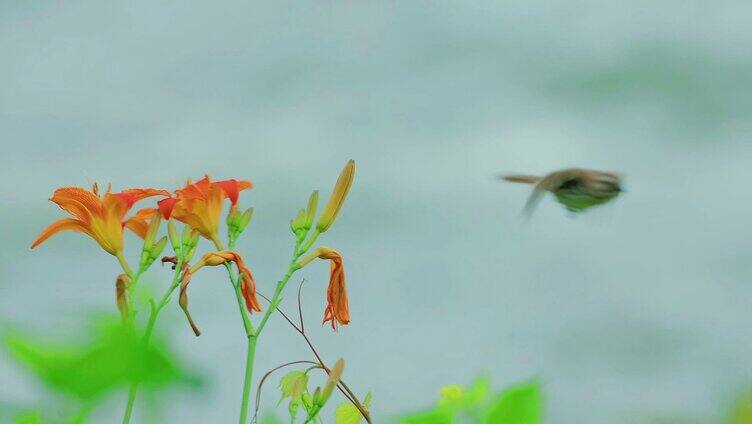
[(121, 203), (78, 202), (58, 226), (233, 187), (138, 225), (197, 190), (166, 206), (116, 206), (145, 213), (142, 193)]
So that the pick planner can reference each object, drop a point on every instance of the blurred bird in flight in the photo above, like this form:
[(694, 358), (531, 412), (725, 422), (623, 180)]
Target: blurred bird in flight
[(576, 189)]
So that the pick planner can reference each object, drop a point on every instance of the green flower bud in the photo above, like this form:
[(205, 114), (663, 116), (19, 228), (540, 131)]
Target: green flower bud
[(317, 397), (334, 375), (172, 232), (313, 202), (190, 248), (151, 233), (157, 249), (296, 225), (244, 219), (187, 234)]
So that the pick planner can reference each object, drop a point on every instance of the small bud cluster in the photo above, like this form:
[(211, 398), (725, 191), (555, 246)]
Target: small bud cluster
[(151, 250), (185, 245), (237, 223)]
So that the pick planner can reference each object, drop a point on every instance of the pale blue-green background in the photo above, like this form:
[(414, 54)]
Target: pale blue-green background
[(638, 309)]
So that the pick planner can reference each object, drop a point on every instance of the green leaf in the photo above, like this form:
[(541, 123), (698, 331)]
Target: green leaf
[(293, 384), (109, 361), (347, 413), (520, 404)]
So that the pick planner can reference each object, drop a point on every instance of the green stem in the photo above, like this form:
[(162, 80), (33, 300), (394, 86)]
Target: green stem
[(296, 254), (250, 332), (131, 400), (310, 242), (155, 310), (249, 358), (124, 263)]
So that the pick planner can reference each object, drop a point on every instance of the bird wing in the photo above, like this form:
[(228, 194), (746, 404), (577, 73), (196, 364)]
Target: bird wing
[(533, 199), (550, 182)]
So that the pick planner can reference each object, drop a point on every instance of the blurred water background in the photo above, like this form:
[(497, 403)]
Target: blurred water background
[(632, 312)]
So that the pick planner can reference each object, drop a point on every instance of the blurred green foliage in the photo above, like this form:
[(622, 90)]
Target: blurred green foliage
[(741, 413), (82, 374), (518, 404)]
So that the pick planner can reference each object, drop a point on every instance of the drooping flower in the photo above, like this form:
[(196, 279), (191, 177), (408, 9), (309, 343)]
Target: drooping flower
[(183, 298), (100, 217), (247, 282), (337, 304), (199, 204)]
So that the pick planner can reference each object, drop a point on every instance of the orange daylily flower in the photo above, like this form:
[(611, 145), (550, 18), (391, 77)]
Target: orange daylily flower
[(337, 306), (100, 217), (199, 204)]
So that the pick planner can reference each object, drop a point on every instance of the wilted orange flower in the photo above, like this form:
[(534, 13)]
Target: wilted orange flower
[(247, 282), (337, 307), (101, 217), (199, 205)]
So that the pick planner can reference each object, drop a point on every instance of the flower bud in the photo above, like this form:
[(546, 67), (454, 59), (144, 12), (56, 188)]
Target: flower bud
[(296, 225), (244, 219), (341, 188), (144, 262), (157, 249), (121, 294), (232, 217), (151, 233), (191, 253), (317, 397), (172, 232), (334, 375), (187, 236), (313, 202)]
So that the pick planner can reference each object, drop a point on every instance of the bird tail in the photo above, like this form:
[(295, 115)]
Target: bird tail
[(519, 178)]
